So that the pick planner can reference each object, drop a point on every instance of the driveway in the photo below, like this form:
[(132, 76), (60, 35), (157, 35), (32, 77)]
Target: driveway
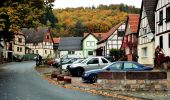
[(19, 81)]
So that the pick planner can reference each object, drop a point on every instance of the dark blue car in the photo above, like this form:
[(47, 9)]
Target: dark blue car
[(91, 76)]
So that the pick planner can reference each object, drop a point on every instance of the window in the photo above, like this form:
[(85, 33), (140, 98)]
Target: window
[(36, 51), (90, 52), (45, 51), (33, 51), (128, 65), (35, 44), (71, 52), (104, 60), (117, 66), (161, 17), (47, 37), (20, 49), (169, 40), (168, 14), (20, 40), (144, 52), (93, 61), (50, 51), (161, 41), (121, 33), (90, 43), (17, 49)]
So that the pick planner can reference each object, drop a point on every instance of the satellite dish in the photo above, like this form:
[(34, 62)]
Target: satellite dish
[(150, 35)]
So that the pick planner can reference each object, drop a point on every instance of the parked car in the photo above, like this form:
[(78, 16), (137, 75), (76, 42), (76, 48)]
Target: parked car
[(64, 66), (17, 58), (91, 76), (87, 64), (64, 61)]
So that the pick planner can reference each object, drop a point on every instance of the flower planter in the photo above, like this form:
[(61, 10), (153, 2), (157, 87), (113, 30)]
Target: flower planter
[(60, 78), (67, 80)]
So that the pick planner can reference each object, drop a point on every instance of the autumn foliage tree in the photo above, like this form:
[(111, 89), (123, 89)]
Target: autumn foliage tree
[(17, 14)]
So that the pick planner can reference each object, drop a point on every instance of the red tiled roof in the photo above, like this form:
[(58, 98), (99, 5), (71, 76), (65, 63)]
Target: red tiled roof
[(56, 40), (108, 34), (133, 21)]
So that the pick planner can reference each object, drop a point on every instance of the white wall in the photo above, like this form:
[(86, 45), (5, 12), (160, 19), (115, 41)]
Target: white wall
[(161, 29), (78, 54), (87, 48)]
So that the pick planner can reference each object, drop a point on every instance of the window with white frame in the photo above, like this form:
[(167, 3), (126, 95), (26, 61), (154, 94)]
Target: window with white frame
[(168, 14), (144, 52), (90, 43), (71, 52)]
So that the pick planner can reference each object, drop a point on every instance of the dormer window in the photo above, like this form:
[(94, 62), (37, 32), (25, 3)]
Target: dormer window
[(47, 37), (168, 14), (161, 17)]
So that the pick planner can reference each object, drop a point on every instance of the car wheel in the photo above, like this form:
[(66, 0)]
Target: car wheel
[(93, 78), (79, 72)]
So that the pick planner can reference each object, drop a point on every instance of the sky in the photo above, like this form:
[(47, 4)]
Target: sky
[(90, 3)]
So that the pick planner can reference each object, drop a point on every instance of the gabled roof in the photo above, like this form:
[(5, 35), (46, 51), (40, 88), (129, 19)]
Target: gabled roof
[(133, 21), (108, 34), (98, 36), (70, 43), (149, 6), (56, 40), (32, 35)]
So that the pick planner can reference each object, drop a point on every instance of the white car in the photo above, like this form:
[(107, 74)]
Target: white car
[(88, 64), (64, 67)]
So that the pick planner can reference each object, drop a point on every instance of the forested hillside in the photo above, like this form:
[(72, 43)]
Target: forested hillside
[(76, 21)]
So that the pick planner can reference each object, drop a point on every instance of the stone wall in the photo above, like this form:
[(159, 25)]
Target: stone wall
[(134, 81)]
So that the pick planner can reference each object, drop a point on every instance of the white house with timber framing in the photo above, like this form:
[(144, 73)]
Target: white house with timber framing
[(39, 41), (162, 25), (112, 39), (146, 32)]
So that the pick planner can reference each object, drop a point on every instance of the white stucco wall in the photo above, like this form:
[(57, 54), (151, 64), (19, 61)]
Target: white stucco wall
[(78, 54), (149, 58)]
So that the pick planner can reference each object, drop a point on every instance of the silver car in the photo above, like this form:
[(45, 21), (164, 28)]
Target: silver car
[(88, 64)]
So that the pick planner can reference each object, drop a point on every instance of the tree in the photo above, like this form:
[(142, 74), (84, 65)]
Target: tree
[(79, 29), (116, 53), (21, 14)]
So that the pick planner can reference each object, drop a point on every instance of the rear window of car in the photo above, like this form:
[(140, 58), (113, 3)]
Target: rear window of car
[(104, 60), (128, 65)]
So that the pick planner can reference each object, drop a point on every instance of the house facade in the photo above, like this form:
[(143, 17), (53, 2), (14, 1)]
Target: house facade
[(89, 43), (19, 44), (162, 26), (39, 41), (55, 46), (146, 33), (70, 47), (111, 40), (130, 40)]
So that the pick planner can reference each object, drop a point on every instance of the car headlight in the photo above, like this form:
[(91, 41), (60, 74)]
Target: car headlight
[(85, 74)]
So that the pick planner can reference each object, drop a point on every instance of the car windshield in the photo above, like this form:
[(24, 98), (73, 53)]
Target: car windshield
[(78, 61), (84, 61)]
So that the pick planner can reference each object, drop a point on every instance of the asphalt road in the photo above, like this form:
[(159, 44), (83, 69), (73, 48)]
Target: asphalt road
[(19, 81)]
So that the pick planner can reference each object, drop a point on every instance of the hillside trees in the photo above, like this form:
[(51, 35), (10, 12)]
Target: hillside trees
[(99, 19)]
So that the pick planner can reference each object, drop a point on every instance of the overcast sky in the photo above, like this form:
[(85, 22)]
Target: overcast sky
[(89, 3)]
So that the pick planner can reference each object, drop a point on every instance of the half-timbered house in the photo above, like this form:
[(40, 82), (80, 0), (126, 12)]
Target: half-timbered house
[(146, 32), (162, 25)]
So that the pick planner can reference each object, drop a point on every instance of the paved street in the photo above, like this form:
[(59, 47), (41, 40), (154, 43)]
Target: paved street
[(19, 81)]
